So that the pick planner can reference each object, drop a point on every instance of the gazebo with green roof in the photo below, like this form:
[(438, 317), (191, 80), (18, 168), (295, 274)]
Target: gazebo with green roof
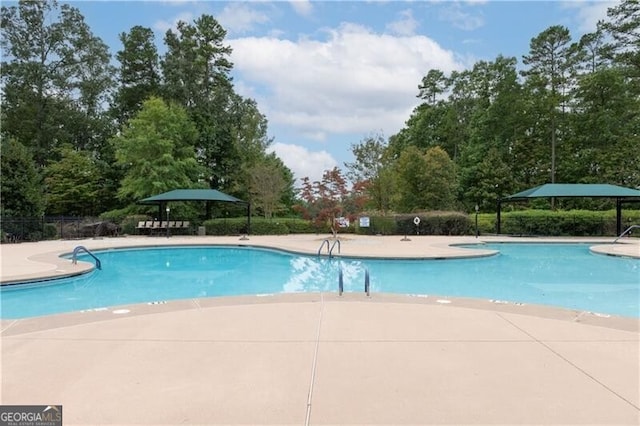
[(575, 190), (207, 195)]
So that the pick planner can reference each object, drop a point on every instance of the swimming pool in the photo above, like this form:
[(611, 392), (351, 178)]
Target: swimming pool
[(564, 275)]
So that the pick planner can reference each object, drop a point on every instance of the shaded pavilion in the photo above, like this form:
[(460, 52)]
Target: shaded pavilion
[(207, 195), (576, 190)]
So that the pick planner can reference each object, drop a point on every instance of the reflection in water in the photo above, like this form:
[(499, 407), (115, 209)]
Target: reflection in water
[(321, 274)]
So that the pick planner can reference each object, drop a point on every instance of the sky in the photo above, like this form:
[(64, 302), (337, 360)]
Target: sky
[(328, 74)]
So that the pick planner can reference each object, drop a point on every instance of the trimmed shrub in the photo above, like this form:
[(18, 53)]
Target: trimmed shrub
[(297, 226), (266, 227), (435, 223), (261, 226), (378, 225), (232, 226)]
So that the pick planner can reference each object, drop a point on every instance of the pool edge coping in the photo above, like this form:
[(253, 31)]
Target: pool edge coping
[(14, 327)]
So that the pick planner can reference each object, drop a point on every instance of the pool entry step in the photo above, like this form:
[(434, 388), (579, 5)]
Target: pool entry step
[(341, 282)]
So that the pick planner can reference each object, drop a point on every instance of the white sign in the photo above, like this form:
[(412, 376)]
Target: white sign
[(342, 222), (364, 222), (416, 220)]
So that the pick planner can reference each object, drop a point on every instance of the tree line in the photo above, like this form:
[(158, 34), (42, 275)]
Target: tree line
[(570, 113), (81, 136)]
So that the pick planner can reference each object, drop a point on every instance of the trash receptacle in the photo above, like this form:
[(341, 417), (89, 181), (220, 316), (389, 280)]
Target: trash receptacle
[(202, 230)]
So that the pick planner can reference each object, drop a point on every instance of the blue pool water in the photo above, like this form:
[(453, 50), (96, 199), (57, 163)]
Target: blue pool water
[(565, 275)]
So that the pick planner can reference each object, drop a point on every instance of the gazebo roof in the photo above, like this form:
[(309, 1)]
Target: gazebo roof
[(191, 195), (575, 190)]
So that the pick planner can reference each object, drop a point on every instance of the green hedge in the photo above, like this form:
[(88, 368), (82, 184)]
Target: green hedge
[(261, 226), (558, 223), (431, 223), (524, 222), (435, 223), (379, 225), (232, 226)]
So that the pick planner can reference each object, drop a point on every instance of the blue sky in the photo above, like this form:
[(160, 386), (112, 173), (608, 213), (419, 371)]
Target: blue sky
[(329, 73)]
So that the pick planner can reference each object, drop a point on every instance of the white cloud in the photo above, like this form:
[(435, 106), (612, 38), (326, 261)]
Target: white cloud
[(588, 13), (239, 18), (351, 82), (406, 25), (302, 162), (302, 7), (460, 18)]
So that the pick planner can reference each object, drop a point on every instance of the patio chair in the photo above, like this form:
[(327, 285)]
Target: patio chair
[(140, 227)]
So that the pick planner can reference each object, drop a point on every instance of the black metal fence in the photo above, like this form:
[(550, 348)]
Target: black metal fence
[(17, 229)]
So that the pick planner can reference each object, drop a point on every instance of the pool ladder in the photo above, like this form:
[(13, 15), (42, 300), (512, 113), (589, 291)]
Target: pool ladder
[(366, 283), (74, 258), (330, 247)]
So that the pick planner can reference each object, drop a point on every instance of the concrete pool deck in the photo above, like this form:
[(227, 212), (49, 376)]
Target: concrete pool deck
[(318, 358)]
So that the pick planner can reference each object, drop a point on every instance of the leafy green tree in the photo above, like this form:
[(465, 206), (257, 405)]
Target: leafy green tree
[(55, 77), (156, 150), (493, 180), (433, 84), (21, 190), (551, 62), (248, 131), (196, 63), (441, 184), (139, 73), (72, 184), (494, 125), (267, 188), (623, 25), (606, 130), (593, 54), (196, 75), (371, 171), (411, 172), (288, 193), (425, 181), (271, 186)]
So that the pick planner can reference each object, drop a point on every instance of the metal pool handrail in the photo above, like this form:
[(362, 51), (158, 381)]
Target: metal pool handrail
[(74, 258), (333, 245), (626, 231), (322, 245)]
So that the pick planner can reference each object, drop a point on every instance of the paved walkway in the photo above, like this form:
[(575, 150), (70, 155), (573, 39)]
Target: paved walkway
[(319, 358)]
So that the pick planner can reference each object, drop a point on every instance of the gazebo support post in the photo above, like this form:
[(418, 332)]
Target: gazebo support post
[(498, 217), (618, 216), (248, 218)]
